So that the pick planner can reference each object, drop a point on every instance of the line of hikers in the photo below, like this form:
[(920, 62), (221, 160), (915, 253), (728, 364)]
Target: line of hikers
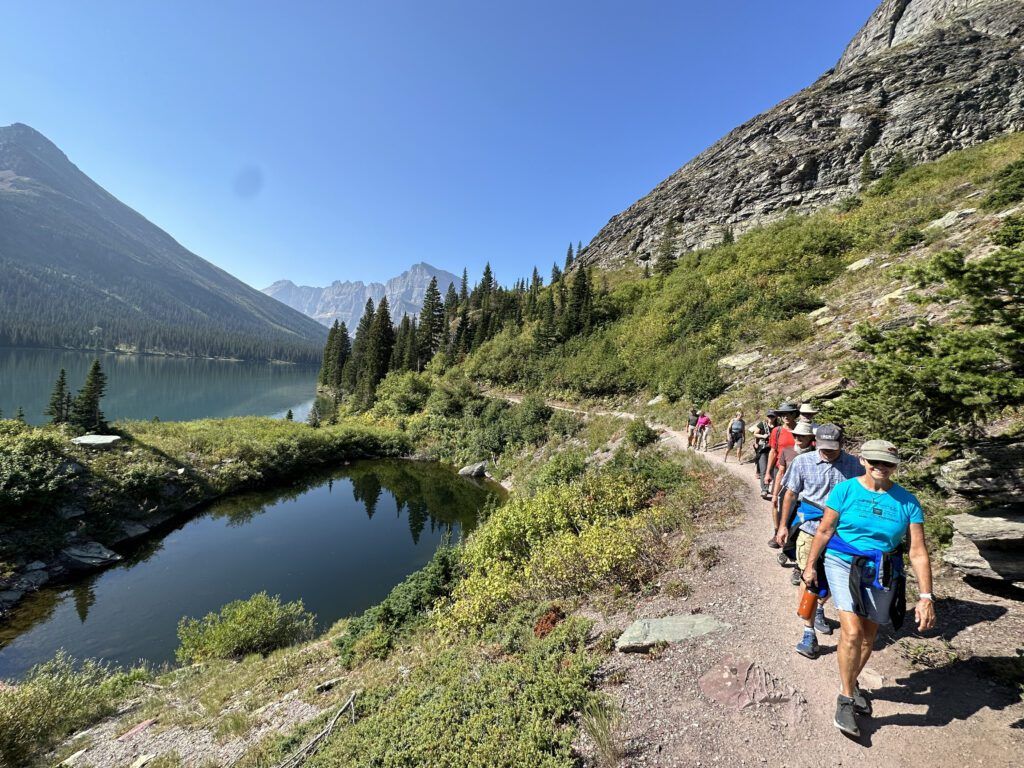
[(846, 523)]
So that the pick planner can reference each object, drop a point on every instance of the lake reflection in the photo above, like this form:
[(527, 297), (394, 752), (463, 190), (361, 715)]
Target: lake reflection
[(144, 386), (339, 541)]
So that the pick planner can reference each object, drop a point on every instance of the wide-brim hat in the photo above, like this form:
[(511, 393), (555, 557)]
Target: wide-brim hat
[(880, 450), (803, 428), (787, 408), (808, 409)]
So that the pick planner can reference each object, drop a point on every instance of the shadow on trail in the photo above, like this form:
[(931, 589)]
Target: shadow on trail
[(953, 616)]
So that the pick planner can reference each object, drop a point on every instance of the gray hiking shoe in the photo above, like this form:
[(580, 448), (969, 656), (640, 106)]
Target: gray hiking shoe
[(794, 577), (861, 703), (846, 720), (821, 623)]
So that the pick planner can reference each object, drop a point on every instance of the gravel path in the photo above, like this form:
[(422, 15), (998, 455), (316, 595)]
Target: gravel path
[(942, 709)]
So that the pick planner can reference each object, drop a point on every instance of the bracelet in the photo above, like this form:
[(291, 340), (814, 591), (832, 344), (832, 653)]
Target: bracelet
[(925, 596)]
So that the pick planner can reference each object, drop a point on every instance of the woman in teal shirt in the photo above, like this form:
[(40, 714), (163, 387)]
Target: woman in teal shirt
[(869, 518)]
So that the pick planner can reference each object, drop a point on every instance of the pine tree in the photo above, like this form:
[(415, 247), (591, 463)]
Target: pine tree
[(340, 355), (556, 274), (576, 317), (431, 326), (399, 361), (579, 248), (547, 331), (647, 270), (377, 355), (451, 314), (464, 288), (85, 411), (289, 416), (359, 343), (867, 169), (666, 250), (313, 419), (57, 409), (568, 259), (20, 415), (326, 367)]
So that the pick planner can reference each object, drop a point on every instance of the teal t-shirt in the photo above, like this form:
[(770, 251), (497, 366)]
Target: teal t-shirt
[(873, 519)]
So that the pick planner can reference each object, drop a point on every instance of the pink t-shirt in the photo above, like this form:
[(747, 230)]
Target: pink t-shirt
[(703, 421)]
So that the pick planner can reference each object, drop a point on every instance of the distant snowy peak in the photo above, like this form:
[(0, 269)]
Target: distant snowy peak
[(345, 300)]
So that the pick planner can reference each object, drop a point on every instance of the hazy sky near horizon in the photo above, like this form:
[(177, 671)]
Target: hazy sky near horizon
[(319, 141)]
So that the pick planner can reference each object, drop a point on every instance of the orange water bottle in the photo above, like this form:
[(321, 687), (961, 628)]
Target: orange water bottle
[(809, 601)]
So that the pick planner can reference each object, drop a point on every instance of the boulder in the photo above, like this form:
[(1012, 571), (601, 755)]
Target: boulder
[(35, 565), (131, 530), (741, 360), (896, 295), (992, 471), (984, 561), (91, 554), (645, 633), (859, 264), (32, 580), (71, 511), (656, 400), (474, 470), (1001, 526), (10, 597), (818, 312), (952, 218), (825, 320), (826, 390), (96, 441)]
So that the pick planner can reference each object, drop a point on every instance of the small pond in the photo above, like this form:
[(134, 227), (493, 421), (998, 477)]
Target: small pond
[(339, 541)]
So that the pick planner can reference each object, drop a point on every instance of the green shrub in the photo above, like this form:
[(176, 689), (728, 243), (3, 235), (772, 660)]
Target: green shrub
[(401, 393), (638, 434), (1011, 233), (260, 624), (561, 468), (907, 239), (55, 699), (374, 633), (1008, 187), (32, 466), (565, 423), (468, 706)]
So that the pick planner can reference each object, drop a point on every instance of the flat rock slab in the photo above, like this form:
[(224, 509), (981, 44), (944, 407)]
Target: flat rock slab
[(96, 441), (645, 633), (738, 683), (993, 526), (984, 561), (90, 555), (741, 360), (474, 470)]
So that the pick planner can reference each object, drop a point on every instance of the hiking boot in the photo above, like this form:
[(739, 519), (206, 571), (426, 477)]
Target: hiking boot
[(773, 543), (808, 646), (821, 623), (861, 703), (845, 719), (794, 579)]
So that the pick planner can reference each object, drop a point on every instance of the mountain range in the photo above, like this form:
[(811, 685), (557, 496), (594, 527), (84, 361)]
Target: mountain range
[(920, 79), (83, 270), (346, 300)]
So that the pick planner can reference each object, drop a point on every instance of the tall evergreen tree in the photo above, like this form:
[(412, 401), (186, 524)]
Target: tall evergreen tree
[(377, 356), (57, 410), (556, 274), (326, 370), (85, 410), (547, 330), (568, 259), (431, 327), (340, 355), (667, 250), (359, 343), (464, 287)]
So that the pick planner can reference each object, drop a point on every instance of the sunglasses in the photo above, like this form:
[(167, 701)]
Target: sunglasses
[(882, 464)]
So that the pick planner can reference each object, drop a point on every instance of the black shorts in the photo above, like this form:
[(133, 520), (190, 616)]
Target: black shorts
[(735, 438)]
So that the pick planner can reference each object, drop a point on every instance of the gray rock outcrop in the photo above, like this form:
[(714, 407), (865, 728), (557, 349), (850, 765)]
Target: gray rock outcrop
[(474, 470), (91, 554), (991, 472), (346, 300), (646, 633), (922, 78)]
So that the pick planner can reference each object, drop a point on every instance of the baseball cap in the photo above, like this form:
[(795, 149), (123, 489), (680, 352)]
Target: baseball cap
[(880, 450), (828, 436)]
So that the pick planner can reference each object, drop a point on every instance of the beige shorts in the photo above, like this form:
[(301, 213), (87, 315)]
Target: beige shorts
[(803, 548)]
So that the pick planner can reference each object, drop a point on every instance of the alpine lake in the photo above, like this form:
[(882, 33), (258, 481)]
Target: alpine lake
[(339, 540)]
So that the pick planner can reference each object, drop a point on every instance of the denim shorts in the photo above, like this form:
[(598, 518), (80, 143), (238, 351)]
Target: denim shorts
[(877, 601)]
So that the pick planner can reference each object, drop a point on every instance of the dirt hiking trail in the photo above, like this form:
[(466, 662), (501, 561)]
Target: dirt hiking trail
[(936, 701)]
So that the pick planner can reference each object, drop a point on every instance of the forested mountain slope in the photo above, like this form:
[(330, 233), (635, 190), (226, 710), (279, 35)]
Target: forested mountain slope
[(922, 78), (80, 269)]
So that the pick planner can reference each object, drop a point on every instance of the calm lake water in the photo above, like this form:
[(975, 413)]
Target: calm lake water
[(141, 386), (339, 541)]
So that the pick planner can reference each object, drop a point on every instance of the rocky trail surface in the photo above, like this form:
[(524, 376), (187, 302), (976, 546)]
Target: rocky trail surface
[(741, 696)]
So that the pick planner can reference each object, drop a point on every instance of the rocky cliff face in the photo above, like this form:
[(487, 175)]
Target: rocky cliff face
[(346, 300), (922, 78)]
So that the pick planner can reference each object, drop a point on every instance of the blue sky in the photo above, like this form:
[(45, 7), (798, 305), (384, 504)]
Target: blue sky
[(338, 140)]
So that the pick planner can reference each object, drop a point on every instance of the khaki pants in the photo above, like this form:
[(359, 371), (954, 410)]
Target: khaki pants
[(803, 549)]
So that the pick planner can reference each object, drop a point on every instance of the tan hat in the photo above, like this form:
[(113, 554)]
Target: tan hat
[(880, 450), (803, 428), (808, 409)]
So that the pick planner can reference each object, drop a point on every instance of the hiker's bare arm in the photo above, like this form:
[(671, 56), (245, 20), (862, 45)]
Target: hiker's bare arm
[(922, 564), (773, 456), (821, 539), (788, 502)]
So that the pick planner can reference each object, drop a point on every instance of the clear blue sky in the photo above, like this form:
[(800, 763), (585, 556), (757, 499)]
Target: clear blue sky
[(343, 140)]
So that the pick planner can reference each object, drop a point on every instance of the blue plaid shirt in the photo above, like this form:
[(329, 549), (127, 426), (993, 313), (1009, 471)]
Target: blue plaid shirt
[(812, 479)]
